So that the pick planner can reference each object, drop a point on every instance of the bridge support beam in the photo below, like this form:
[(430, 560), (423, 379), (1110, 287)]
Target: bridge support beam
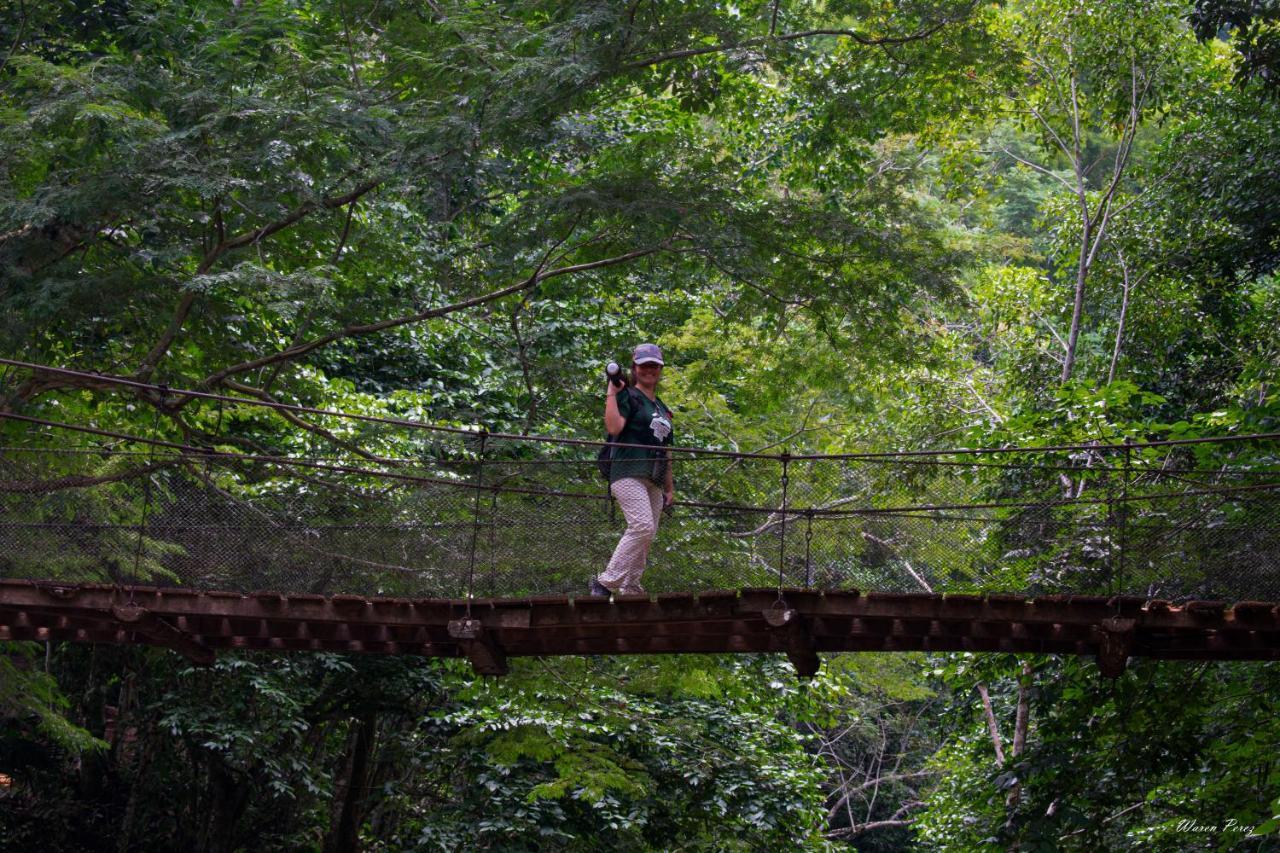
[(486, 655), (1115, 642), (800, 623), (151, 626), (788, 624)]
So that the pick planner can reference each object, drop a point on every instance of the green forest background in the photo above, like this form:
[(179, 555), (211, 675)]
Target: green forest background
[(852, 226)]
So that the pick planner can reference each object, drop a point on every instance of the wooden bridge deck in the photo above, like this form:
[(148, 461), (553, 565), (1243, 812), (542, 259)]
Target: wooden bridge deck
[(800, 624)]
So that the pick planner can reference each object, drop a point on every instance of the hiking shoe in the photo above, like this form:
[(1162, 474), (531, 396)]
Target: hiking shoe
[(598, 589)]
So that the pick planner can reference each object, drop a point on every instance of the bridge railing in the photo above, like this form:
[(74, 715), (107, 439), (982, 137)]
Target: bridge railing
[(457, 514)]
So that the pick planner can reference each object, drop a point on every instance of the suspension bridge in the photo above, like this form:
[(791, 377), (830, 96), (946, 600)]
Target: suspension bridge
[(385, 535)]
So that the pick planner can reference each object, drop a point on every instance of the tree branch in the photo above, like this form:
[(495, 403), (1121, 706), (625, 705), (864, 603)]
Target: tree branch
[(991, 723), (248, 238), (759, 41), (76, 481), (884, 543), (22, 31), (382, 325), (305, 323), (1124, 309), (982, 400), (860, 828), (879, 780), (1062, 146), (17, 232), (1041, 169), (522, 348), (301, 212), (309, 427)]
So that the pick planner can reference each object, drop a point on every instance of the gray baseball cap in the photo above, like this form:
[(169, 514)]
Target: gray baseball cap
[(647, 354)]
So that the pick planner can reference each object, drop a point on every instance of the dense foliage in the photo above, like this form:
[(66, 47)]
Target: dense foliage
[(851, 225)]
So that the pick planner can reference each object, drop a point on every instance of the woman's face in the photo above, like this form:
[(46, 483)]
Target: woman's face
[(648, 374)]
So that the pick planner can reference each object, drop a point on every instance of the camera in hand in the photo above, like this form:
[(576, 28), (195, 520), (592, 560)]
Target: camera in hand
[(613, 372)]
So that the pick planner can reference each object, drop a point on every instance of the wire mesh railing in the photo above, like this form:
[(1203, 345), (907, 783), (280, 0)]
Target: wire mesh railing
[(456, 513)]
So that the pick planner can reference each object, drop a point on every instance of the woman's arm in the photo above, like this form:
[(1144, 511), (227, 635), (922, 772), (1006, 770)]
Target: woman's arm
[(614, 422)]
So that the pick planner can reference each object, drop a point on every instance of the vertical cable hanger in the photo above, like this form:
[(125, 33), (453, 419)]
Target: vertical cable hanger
[(146, 500), (782, 544), (208, 459), (1111, 532), (808, 548), (1124, 509), (477, 487), (493, 553)]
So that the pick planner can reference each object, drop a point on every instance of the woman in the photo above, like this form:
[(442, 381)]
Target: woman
[(639, 478)]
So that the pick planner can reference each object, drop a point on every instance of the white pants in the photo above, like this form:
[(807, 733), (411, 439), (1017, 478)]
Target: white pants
[(641, 502)]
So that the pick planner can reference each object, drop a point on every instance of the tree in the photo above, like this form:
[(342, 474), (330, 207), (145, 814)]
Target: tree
[(1092, 76), (1109, 764)]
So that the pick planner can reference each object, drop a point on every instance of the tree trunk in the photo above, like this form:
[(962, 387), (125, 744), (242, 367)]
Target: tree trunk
[(124, 838), (1077, 310), (350, 793), (228, 797), (1021, 721)]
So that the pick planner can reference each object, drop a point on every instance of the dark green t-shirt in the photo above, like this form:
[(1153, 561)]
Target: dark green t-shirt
[(648, 422)]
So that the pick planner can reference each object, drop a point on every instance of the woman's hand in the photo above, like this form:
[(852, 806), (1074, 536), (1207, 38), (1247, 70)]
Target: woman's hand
[(668, 496)]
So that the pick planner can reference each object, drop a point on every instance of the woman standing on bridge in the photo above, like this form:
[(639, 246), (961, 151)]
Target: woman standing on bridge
[(640, 479)]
